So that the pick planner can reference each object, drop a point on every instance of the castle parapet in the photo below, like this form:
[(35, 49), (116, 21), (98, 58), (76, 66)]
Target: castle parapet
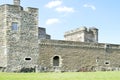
[(75, 31), (77, 44), (82, 34), (32, 10)]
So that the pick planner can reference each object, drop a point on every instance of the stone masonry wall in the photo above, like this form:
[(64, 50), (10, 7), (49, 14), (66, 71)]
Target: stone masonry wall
[(78, 56), (42, 33), (21, 50), (3, 55), (23, 41)]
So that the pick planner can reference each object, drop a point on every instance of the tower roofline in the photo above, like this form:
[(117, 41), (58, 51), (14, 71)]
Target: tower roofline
[(16, 2)]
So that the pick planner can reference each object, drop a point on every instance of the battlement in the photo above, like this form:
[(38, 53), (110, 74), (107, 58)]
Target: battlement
[(16, 7), (80, 30), (82, 34), (76, 30), (10, 7), (31, 10), (78, 44)]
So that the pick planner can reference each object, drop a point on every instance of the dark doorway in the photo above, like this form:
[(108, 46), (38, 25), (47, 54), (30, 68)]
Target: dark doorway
[(56, 61)]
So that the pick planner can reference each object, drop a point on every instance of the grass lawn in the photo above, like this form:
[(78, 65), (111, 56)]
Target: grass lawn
[(61, 76)]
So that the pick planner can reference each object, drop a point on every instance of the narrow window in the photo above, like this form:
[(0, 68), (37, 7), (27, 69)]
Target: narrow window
[(27, 59), (56, 61), (14, 26), (107, 62)]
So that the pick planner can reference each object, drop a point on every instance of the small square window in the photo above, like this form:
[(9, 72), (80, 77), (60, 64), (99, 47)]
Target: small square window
[(15, 26)]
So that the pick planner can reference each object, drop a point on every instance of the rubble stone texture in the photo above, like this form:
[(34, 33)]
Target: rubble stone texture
[(25, 47), (79, 56), (19, 36)]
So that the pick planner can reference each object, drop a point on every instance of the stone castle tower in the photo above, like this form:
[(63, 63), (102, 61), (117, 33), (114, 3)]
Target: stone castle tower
[(18, 36), (82, 34), (25, 47)]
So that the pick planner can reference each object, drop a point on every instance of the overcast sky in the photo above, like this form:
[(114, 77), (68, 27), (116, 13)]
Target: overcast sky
[(59, 16)]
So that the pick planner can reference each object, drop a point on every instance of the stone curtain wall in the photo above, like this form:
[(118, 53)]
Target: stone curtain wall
[(3, 55), (78, 56), (23, 41)]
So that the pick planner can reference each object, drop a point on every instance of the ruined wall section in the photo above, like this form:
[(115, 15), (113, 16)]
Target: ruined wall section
[(78, 56), (23, 39), (3, 47)]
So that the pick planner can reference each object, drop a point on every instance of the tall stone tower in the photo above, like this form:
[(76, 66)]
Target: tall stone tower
[(18, 37), (82, 34), (17, 2)]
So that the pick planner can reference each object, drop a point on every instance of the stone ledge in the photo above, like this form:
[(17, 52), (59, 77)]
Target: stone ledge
[(64, 43)]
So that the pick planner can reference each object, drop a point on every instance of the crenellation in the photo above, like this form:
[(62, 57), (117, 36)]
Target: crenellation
[(82, 34), (32, 10), (13, 8), (77, 44), (76, 30)]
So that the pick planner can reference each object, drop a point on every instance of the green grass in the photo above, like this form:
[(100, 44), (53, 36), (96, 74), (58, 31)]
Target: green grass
[(61, 76)]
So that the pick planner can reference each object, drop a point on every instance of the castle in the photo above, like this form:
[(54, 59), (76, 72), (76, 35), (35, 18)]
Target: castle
[(25, 47)]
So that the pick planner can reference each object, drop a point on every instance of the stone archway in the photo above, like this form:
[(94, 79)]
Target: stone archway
[(56, 61)]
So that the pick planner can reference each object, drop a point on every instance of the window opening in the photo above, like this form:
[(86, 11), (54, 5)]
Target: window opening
[(27, 59), (14, 26), (56, 61)]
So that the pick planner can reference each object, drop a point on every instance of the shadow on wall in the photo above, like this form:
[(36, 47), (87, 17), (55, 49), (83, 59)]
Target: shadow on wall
[(2, 69), (27, 70)]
